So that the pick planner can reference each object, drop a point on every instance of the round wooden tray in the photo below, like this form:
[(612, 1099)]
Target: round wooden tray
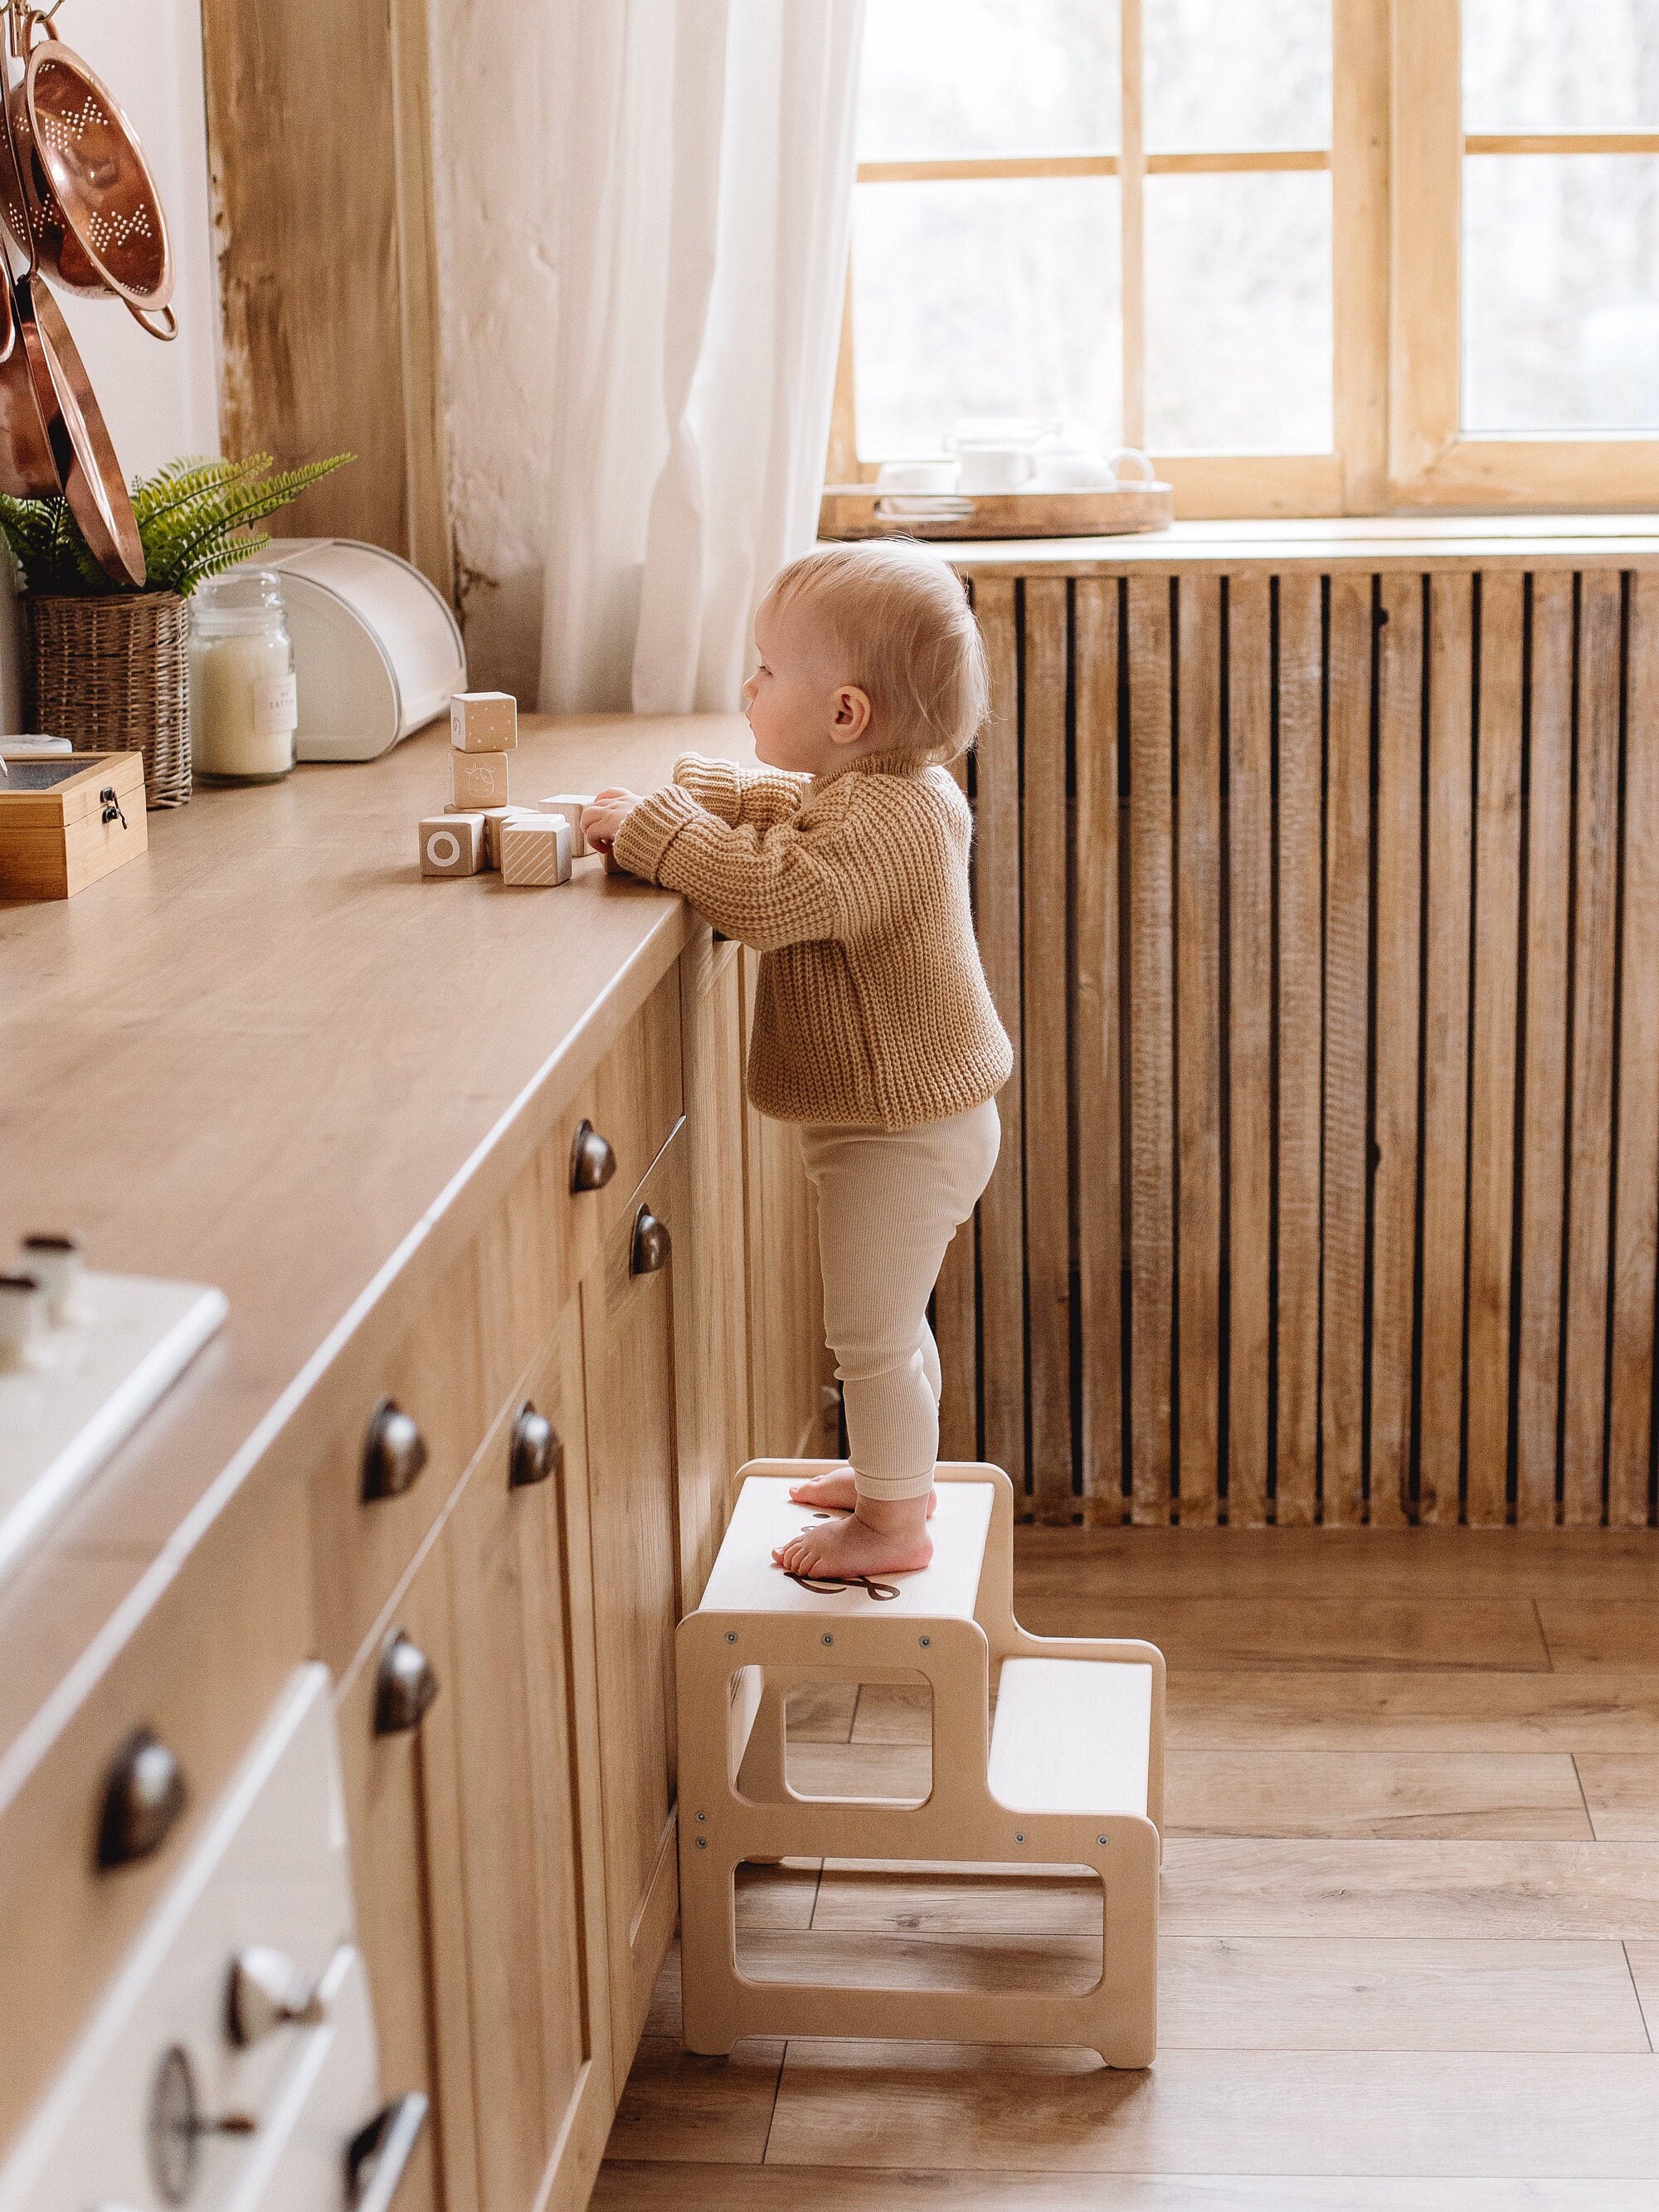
[(862, 511)]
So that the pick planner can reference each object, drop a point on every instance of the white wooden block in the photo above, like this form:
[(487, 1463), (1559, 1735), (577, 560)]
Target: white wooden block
[(483, 721), (451, 845), (534, 849), (480, 780), (570, 804)]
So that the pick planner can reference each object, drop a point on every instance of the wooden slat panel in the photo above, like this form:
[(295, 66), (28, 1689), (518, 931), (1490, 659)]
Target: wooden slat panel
[(1097, 1047), (1492, 1116), (1446, 1044), (1398, 893), (1198, 1072), (1583, 1377), (1630, 1407), (1002, 1209), (1250, 1044), (1152, 1072), (1301, 1017), (1045, 990), (1347, 995), (1549, 919)]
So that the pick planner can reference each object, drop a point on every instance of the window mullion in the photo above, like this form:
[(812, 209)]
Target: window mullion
[(1131, 175)]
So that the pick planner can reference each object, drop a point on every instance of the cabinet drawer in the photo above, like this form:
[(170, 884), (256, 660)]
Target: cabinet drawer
[(631, 1103), (198, 1677)]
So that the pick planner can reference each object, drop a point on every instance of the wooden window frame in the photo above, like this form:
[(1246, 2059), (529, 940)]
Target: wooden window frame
[(1395, 163)]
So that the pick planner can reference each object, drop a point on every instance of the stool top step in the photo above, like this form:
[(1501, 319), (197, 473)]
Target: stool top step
[(744, 1580), (1071, 1736)]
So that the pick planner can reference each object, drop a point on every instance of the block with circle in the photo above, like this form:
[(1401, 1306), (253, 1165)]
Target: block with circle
[(534, 849), (483, 721), (451, 845), (480, 780)]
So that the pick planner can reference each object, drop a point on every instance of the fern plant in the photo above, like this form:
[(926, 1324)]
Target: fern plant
[(196, 518)]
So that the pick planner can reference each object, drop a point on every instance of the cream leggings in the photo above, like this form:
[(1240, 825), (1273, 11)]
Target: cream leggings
[(889, 1201)]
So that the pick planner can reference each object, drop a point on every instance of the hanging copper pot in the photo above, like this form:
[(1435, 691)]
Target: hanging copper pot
[(80, 198), (53, 438)]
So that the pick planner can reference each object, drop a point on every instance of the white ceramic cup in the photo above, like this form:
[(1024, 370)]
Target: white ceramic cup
[(934, 476), (988, 471)]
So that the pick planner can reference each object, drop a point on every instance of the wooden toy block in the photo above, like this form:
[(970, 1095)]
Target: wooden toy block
[(480, 780), (534, 849), (570, 804), (451, 845), (483, 721), (1046, 1753), (493, 818)]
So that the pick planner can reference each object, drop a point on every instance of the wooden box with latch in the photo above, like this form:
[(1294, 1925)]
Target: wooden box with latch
[(67, 819)]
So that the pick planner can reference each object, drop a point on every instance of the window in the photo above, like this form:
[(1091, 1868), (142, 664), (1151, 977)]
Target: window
[(1171, 223)]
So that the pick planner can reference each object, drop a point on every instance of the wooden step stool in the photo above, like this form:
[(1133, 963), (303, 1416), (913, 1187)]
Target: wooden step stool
[(1071, 1772)]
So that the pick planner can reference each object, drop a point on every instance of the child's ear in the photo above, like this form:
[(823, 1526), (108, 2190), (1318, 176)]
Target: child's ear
[(850, 715)]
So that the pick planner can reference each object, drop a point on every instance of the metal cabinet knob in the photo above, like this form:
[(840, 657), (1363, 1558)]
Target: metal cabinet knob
[(394, 1452), (267, 1990), (144, 1794), (652, 1243), (592, 1163), (536, 1450), (405, 1689), (378, 2154)]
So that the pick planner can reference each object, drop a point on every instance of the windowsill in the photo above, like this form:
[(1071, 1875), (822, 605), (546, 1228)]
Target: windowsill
[(1348, 541)]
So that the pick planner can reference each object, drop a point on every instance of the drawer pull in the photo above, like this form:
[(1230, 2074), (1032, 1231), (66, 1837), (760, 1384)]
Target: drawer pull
[(378, 2154), (652, 1243), (268, 1991), (406, 1688), (394, 1452), (538, 1451), (592, 1163), (143, 1797)]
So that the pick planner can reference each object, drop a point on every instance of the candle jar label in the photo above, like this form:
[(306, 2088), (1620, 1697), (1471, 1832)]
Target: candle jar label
[(275, 705)]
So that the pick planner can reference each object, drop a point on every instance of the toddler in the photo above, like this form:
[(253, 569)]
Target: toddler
[(844, 863)]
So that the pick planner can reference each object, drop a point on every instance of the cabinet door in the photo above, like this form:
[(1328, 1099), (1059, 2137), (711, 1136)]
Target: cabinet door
[(627, 1357), (400, 1807), (525, 1738), (711, 1343), (788, 1366)]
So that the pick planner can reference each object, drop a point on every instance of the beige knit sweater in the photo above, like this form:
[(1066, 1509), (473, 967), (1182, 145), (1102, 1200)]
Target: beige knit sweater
[(873, 1010)]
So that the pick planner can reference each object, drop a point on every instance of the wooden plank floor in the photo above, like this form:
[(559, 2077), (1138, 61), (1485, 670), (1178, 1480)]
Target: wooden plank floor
[(1410, 1951)]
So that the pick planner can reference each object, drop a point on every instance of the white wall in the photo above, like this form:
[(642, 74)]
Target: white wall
[(158, 401)]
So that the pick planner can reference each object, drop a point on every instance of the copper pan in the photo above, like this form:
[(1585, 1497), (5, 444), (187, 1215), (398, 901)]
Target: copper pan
[(53, 438), (80, 198)]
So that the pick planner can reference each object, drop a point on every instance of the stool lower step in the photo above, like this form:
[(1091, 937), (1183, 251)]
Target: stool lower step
[(1071, 1736)]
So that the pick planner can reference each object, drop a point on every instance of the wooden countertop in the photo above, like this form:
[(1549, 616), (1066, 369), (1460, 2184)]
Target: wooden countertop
[(267, 1056)]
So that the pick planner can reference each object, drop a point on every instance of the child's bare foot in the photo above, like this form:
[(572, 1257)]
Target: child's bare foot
[(839, 1491), (880, 1538)]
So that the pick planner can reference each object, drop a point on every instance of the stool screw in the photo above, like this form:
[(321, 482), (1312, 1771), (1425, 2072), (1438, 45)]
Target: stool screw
[(1099, 1839), (826, 1639), (704, 1816), (1019, 1839), (730, 1635), (702, 1843), (924, 1641)]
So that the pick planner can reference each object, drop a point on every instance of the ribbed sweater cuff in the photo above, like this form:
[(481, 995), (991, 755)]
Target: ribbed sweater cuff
[(714, 784), (651, 828)]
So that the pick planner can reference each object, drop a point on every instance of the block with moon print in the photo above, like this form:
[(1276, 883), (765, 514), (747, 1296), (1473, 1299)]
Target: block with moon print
[(483, 721)]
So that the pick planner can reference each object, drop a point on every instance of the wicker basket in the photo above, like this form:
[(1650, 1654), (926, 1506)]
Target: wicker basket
[(110, 672)]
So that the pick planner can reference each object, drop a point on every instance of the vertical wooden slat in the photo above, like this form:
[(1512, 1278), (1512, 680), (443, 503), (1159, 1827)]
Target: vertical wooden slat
[(956, 1309), (1347, 999), (1046, 985), (1097, 1057), (1492, 1111), (1399, 894), (1544, 1078), (1301, 1017), (1446, 1043), (1002, 1209), (1631, 1404), (1249, 1044), (1151, 1073), (1583, 1374), (1199, 1075)]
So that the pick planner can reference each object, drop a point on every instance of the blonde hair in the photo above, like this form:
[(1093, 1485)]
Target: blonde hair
[(900, 616)]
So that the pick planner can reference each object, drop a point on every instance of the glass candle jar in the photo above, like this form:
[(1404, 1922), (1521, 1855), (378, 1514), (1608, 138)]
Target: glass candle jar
[(244, 704)]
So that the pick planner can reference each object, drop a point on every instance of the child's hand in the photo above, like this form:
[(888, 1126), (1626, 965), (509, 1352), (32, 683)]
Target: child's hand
[(603, 820)]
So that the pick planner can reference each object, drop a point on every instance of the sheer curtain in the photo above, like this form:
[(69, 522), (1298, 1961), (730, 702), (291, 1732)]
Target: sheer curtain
[(708, 193)]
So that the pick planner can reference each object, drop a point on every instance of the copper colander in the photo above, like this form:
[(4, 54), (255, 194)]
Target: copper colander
[(81, 197)]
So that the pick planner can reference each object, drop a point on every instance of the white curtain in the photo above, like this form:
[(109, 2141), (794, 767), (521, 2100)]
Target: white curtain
[(702, 257)]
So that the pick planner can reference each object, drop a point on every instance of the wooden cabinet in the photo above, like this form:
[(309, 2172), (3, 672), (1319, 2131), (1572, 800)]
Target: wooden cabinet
[(525, 1725), (628, 1340)]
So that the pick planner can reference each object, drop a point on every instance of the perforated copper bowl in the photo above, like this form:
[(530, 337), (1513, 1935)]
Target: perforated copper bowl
[(88, 196)]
